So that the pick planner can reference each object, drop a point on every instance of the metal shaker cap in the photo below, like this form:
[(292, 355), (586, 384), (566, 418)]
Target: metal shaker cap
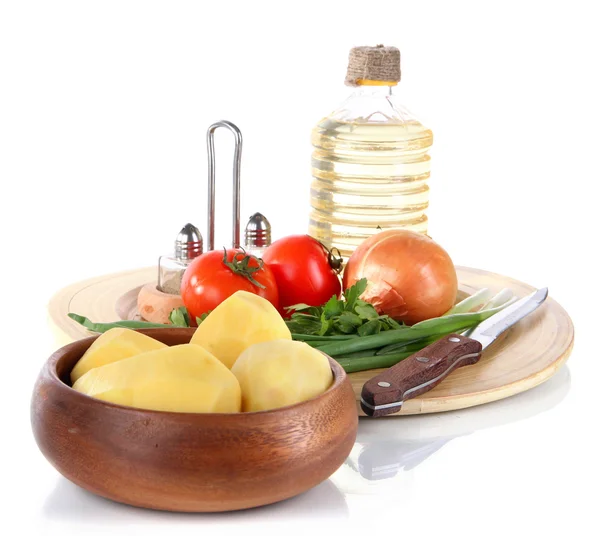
[(189, 243), (258, 232)]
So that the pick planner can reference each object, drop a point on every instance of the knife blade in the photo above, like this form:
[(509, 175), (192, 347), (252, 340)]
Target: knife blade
[(422, 371)]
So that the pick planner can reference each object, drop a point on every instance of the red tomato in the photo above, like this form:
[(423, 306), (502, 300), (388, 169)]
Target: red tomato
[(304, 270), (210, 279)]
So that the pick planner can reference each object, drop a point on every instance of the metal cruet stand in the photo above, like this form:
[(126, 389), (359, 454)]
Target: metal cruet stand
[(252, 238)]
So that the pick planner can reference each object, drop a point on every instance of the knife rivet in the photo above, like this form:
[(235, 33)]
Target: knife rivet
[(422, 359), (384, 384), (454, 339)]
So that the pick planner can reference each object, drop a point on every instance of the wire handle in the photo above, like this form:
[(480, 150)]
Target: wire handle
[(237, 158)]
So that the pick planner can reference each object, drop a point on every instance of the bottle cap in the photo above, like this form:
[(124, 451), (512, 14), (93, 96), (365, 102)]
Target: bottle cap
[(258, 232), (367, 65), (189, 243)]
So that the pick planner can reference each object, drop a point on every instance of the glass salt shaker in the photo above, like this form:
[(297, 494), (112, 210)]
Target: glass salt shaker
[(188, 246), (257, 236)]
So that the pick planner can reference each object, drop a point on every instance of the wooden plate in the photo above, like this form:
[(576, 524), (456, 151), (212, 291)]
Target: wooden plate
[(525, 356)]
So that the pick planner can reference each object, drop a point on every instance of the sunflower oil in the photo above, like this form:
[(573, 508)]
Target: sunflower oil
[(370, 169)]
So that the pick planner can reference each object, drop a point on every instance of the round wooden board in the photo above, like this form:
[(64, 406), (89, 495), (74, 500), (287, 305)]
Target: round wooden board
[(525, 356)]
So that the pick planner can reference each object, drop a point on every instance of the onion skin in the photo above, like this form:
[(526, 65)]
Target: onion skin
[(411, 278)]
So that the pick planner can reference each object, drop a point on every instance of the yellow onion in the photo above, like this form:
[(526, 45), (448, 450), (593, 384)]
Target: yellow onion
[(410, 277)]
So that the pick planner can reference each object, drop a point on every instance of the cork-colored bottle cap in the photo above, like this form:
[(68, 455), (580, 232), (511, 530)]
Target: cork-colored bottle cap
[(373, 64)]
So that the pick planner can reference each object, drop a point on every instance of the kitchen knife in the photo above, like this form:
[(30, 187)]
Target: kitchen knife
[(422, 371)]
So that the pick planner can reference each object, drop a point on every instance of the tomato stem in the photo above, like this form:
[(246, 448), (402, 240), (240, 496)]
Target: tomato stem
[(334, 257), (241, 266)]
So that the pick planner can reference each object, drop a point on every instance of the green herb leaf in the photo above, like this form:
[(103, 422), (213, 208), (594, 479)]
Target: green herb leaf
[(354, 292), (352, 317), (180, 318), (347, 322), (333, 307), (325, 325), (297, 307), (306, 320), (309, 310), (372, 327), (366, 312), (394, 324), (339, 317), (202, 318), (304, 323), (343, 326)]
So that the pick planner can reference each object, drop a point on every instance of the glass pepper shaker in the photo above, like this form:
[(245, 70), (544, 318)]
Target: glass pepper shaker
[(188, 246)]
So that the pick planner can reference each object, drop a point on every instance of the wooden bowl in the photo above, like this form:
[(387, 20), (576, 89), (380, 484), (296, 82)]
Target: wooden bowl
[(189, 462)]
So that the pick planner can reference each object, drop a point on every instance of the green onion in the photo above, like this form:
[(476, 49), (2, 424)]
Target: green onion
[(408, 345), (443, 325), (321, 338), (359, 355), (103, 327), (501, 298), (375, 361), (472, 302)]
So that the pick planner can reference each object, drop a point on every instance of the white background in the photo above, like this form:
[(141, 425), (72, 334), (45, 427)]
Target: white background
[(103, 112)]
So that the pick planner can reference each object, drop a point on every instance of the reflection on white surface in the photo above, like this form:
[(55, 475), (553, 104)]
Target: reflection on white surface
[(71, 504), (382, 460), (387, 449)]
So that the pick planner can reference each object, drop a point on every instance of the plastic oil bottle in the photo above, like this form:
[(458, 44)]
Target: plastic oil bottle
[(370, 165)]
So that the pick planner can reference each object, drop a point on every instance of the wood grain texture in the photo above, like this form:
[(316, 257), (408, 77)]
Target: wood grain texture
[(156, 306), (417, 374), (524, 356), (184, 461)]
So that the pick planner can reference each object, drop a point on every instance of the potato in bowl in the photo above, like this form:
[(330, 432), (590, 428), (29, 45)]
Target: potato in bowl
[(245, 333), (192, 462)]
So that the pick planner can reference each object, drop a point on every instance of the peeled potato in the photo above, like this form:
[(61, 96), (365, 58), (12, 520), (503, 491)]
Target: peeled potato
[(238, 322), (111, 346), (280, 373), (183, 378)]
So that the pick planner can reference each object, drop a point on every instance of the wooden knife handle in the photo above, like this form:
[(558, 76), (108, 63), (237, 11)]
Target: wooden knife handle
[(417, 374)]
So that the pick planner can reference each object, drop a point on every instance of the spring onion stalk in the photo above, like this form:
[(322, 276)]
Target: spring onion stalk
[(361, 354), (100, 327), (500, 299), (408, 345), (440, 326), (312, 344), (366, 362), (386, 338), (391, 354), (503, 299), (474, 301), (374, 361), (321, 338)]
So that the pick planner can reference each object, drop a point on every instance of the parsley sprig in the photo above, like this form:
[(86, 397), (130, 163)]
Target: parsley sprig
[(347, 316)]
